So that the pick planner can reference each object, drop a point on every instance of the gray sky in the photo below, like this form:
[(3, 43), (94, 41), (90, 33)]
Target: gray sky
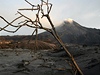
[(85, 12)]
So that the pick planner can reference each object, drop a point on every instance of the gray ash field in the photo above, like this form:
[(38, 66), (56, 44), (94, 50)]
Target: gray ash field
[(49, 62)]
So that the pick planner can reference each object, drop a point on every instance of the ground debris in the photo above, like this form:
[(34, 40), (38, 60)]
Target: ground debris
[(23, 70)]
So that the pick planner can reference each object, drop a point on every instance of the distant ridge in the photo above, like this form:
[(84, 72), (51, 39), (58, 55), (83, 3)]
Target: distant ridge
[(69, 31), (73, 33)]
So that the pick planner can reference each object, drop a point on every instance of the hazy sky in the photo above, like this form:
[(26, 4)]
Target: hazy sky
[(85, 12)]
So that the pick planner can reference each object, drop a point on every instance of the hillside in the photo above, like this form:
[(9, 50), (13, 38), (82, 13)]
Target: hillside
[(73, 33), (69, 31)]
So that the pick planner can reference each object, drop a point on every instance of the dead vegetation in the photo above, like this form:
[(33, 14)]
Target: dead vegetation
[(36, 24), (31, 45)]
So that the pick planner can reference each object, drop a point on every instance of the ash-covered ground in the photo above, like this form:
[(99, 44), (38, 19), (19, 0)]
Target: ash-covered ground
[(49, 62)]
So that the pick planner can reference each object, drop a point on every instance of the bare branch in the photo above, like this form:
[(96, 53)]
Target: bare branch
[(50, 8), (37, 25), (24, 16), (9, 24), (32, 35), (16, 19), (30, 3), (11, 31), (4, 19), (36, 36), (29, 9)]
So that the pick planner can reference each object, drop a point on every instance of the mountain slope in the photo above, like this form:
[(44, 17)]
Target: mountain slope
[(73, 33), (69, 31)]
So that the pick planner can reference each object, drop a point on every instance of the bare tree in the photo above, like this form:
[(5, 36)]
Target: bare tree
[(36, 24)]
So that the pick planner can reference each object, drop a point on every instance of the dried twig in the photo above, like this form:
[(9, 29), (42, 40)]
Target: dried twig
[(38, 25)]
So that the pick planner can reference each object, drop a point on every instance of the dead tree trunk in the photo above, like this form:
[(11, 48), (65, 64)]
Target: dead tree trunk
[(36, 24), (54, 33)]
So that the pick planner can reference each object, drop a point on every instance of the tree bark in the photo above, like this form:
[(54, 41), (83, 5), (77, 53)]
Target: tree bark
[(56, 36)]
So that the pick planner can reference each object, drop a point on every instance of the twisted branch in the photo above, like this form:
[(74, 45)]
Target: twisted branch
[(36, 24)]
